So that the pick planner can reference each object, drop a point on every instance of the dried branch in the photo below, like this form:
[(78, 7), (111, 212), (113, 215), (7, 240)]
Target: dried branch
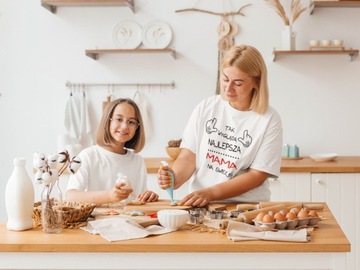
[(225, 14), (295, 12)]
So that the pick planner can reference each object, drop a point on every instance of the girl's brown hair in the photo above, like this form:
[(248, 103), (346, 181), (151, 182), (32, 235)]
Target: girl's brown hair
[(104, 137), (249, 60)]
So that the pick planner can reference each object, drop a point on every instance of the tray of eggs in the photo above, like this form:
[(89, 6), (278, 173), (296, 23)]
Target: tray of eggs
[(287, 220)]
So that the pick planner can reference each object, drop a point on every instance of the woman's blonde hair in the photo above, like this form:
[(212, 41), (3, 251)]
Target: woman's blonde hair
[(104, 137), (250, 61)]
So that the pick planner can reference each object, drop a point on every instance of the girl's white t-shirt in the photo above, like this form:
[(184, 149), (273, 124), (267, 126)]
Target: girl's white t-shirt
[(227, 142), (99, 170)]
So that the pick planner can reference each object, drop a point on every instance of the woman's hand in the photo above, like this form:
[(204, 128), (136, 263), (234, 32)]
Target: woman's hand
[(164, 177), (199, 198), (148, 196), (117, 193)]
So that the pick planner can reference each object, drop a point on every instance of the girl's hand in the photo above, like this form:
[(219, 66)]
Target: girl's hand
[(164, 178), (117, 193), (148, 196)]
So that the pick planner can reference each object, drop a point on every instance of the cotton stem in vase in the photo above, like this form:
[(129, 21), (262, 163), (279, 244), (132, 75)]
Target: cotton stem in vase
[(48, 171)]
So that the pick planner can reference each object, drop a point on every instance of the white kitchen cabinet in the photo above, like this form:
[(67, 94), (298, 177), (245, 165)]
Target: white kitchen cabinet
[(340, 191), (291, 187)]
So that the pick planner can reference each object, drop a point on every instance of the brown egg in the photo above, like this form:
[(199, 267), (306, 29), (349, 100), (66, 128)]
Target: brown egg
[(291, 216), (305, 209), (313, 213), (260, 216), (279, 216), (268, 218), (284, 211), (295, 210), (302, 214)]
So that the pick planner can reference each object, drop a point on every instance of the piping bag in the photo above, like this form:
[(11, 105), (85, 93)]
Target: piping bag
[(124, 179), (170, 190)]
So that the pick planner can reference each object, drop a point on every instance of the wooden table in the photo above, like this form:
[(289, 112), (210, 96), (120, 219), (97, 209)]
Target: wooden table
[(183, 249)]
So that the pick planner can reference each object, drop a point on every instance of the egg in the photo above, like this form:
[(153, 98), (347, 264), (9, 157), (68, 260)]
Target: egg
[(284, 211), (268, 218), (260, 216), (305, 209), (313, 213), (278, 216), (295, 210), (290, 216), (302, 214)]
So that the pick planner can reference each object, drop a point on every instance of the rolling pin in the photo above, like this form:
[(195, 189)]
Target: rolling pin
[(311, 206), (246, 206), (248, 216)]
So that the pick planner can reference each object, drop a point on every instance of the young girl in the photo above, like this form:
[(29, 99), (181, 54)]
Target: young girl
[(120, 136)]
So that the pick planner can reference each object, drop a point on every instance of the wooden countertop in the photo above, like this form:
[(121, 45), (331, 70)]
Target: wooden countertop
[(327, 238), (350, 164), (341, 164)]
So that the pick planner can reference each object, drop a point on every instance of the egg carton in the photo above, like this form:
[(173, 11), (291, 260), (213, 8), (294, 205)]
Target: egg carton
[(289, 224)]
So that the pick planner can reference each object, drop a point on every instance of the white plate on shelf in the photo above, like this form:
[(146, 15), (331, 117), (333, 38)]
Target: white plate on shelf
[(324, 157), (156, 35), (127, 35)]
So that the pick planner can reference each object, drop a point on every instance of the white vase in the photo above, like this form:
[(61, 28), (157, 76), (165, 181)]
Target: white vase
[(288, 38), (19, 198)]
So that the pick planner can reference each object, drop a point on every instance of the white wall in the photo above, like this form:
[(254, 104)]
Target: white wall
[(317, 96)]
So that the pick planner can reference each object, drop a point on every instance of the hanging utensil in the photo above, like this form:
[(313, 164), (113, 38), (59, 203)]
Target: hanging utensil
[(108, 98)]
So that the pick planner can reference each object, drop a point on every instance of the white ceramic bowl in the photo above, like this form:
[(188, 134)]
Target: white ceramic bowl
[(314, 43), (325, 42), (173, 218), (338, 42)]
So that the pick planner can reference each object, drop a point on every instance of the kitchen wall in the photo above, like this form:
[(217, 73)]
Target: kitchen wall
[(317, 96)]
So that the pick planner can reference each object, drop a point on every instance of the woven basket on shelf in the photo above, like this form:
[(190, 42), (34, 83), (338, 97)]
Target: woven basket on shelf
[(74, 214)]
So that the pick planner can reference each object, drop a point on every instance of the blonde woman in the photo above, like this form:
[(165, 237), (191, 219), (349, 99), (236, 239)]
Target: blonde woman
[(232, 142), (120, 137)]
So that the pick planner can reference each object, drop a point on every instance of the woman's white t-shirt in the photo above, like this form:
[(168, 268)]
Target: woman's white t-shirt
[(227, 142), (99, 170)]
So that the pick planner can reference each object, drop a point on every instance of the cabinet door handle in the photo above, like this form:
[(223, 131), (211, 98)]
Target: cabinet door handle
[(318, 181)]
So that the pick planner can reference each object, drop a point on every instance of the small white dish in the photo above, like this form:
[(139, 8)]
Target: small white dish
[(314, 43), (324, 157), (325, 42), (156, 35), (338, 42)]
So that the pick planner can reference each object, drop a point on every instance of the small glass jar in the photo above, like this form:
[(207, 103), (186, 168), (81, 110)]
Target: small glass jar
[(51, 208)]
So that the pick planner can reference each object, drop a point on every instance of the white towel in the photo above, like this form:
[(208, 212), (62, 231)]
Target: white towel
[(72, 116), (239, 231), (85, 124), (77, 120), (146, 112), (119, 228)]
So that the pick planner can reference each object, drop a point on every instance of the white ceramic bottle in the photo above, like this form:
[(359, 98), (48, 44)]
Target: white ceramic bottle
[(19, 198)]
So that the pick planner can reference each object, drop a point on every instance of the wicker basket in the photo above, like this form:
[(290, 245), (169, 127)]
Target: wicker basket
[(74, 214)]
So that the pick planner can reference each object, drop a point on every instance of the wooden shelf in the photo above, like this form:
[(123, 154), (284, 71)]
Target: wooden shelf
[(352, 53), (333, 4), (52, 5), (94, 54)]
